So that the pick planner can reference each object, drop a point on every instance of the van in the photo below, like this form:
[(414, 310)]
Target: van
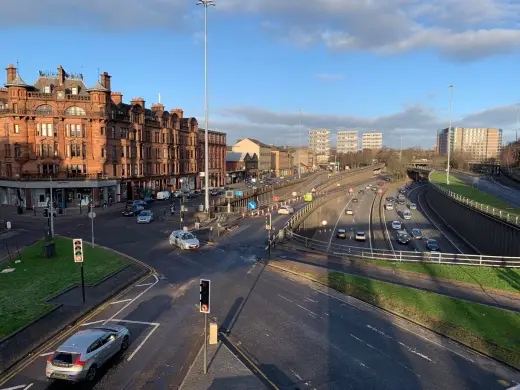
[(163, 195)]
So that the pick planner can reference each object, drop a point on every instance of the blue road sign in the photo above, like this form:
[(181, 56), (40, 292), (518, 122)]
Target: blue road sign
[(239, 193), (251, 205)]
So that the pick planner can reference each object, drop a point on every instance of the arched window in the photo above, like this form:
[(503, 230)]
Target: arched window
[(75, 111), (44, 109)]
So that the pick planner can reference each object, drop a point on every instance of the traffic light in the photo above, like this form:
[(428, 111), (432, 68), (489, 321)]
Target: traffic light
[(268, 221), (78, 250), (204, 296)]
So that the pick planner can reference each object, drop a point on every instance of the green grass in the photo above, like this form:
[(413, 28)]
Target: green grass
[(504, 279), (484, 328), (463, 189), (23, 293)]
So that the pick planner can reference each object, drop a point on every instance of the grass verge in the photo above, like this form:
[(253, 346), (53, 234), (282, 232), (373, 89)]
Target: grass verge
[(503, 279), (24, 292), (463, 189), (484, 328)]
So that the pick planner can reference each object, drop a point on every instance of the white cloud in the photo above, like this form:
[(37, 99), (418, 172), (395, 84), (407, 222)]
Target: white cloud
[(329, 76), (416, 124)]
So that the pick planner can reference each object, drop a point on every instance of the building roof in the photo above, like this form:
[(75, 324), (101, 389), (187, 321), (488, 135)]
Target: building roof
[(97, 88), (17, 82), (51, 80), (261, 144), (238, 156)]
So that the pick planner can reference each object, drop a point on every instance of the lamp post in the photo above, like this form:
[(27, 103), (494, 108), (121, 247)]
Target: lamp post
[(517, 117), (451, 86), (206, 4), (300, 152)]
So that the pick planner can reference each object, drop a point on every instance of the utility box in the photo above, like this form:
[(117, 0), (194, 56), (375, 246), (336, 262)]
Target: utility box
[(213, 333), (49, 250)]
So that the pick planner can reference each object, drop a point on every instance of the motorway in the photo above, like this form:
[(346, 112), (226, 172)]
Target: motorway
[(300, 336), (493, 187)]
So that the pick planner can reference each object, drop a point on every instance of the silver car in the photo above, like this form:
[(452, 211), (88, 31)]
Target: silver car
[(145, 216), (184, 240), (80, 357)]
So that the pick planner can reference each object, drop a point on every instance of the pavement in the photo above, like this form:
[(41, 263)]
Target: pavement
[(225, 372)]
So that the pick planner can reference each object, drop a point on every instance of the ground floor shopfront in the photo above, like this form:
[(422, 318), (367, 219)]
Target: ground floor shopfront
[(65, 194)]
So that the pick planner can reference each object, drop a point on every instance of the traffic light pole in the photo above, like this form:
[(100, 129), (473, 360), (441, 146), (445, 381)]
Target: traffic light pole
[(82, 282), (205, 343)]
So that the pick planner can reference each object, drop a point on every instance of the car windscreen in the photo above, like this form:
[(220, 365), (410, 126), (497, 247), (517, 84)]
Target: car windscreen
[(187, 236), (145, 213)]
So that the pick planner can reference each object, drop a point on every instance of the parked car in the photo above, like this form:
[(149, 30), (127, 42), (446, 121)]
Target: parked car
[(83, 354), (396, 225), (163, 195), (342, 233), (184, 240)]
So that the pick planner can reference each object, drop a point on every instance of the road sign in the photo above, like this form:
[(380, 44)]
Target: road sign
[(92, 215), (229, 194), (77, 247), (251, 205), (350, 191), (276, 198), (204, 296), (294, 193), (239, 193)]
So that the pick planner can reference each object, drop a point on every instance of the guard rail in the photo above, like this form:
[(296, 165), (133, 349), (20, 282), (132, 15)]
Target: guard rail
[(334, 178)]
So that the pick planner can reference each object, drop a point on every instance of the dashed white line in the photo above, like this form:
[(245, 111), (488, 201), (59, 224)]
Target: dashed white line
[(337, 222), (307, 310), (287, 299), (295, 374), (144, 284), (28, 386), (121, 301)]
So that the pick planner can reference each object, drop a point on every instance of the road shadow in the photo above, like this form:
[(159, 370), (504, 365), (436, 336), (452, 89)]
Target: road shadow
[(510, 276)]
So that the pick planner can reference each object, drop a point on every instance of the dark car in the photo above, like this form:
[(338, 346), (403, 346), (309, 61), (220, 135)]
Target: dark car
[(361, 192), (432, 245)]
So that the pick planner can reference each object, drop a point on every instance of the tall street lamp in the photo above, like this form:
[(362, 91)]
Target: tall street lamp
[(517, 117), (206, 4), (451, 86), (300, 152)]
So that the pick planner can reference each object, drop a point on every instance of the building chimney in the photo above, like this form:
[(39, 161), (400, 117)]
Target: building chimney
[(157, 107), (105, 80), (177, 111), (139, 101), (117, 97), (11, 73), (61, 76)]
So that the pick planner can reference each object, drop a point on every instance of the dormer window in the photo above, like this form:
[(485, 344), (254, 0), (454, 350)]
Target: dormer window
[(74, 90), (47, 89)]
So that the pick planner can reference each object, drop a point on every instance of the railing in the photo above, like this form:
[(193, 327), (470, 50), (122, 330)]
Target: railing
[(494, 212), (403, 256)]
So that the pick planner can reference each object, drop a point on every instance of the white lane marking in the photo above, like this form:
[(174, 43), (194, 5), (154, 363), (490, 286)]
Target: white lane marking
[(370, 225), (142, 342), (134, 299), (137, 322), (307, 310), (311, 300), (28, 386), (337, 222), (351, 357), (121, 301), (384, 354), (295, 374), (144, 284), (46, 354), (18, 387), (92, 323), (287, 299), (410, 349)]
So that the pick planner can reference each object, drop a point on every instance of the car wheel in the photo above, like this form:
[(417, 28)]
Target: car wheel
[(124, 343), (91, 373)]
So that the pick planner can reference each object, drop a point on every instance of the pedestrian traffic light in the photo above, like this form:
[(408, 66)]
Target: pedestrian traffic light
[(204, 296), (78, 250), (268, 221)]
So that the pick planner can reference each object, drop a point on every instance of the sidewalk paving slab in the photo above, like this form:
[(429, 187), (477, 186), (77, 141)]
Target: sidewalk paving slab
[(225, 372)]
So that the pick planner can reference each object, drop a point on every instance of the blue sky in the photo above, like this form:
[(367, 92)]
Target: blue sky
[(372, 65)]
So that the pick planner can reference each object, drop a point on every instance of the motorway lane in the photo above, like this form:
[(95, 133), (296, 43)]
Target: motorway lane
[(489, 185), (303, 337)]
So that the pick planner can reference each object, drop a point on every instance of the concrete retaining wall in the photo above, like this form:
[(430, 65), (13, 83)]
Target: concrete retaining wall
[(490, 236)]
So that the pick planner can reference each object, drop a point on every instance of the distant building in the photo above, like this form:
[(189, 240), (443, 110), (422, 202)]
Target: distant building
[(481, 143), (253, 146), (281, 162), (240, 166), (372, 140), (319, 144), (347, 141), (303, 159)]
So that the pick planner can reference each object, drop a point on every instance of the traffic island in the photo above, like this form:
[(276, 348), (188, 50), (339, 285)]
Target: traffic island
[(483, 328), (41, 294)]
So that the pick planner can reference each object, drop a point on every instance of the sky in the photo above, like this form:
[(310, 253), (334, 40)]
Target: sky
[(370, 65)]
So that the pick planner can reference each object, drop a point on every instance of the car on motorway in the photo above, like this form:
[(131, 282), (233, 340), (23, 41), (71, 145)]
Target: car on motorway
[(400, 201), (341, 233), (287, 210), (389, 198), (355, 200), (389, 206), (396, 225), (412, 206), (184, 240), (361, 236), (349, 211), (368, 187), (145, 216), (407, 215), (432, 245), (81, 356), (417, 234), (361, 192), (403, 237)]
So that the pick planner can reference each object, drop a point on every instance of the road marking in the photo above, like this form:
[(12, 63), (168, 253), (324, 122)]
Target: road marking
[(92, 323), (295, 374), (337, 222), (310, 300), (287, 299), (18, 387), (142, 343), (144, 284), (137, 322), (28, 386), (312, 313), (46, 354), (134, 299), (121, 301)]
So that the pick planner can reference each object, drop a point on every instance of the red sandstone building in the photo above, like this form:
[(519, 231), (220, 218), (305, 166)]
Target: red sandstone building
[(95, 146)]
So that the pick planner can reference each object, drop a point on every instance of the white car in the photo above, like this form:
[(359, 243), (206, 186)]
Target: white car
[(361, 236), (396, 225), (349, 212), (184, 240), (287, 210), (407, 215), (389, 206), (413, 206)]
